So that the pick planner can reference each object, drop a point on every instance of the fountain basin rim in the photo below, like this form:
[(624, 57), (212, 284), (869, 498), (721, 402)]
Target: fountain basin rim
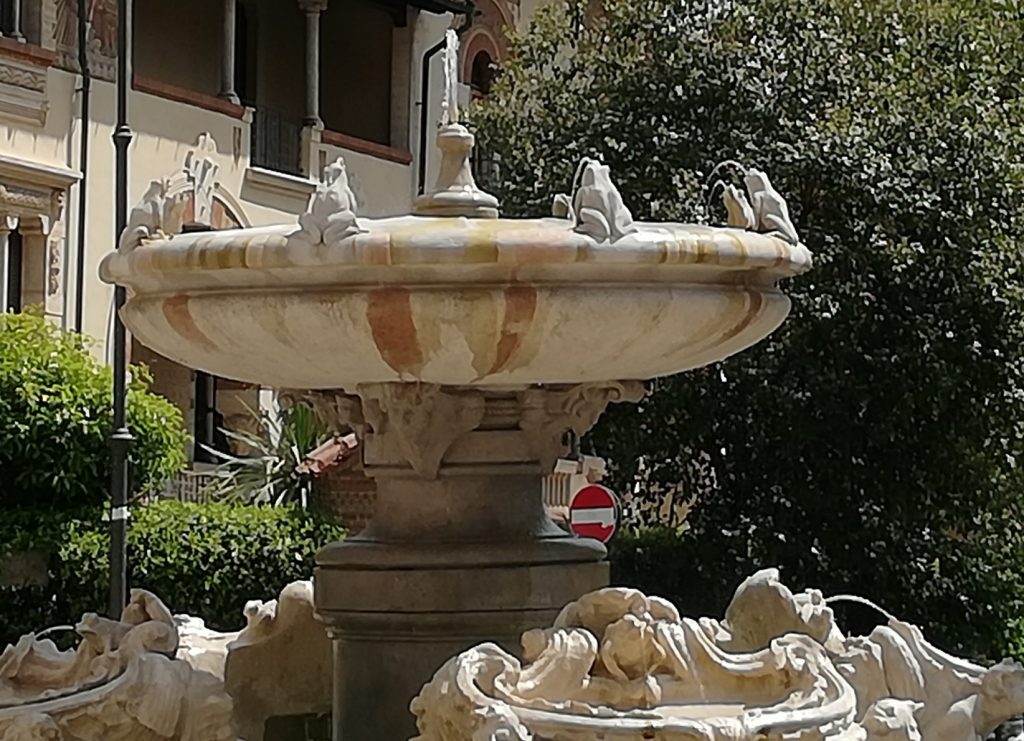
[(427, 251)]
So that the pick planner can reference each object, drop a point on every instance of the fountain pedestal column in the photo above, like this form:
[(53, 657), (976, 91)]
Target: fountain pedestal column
[(460, 549)]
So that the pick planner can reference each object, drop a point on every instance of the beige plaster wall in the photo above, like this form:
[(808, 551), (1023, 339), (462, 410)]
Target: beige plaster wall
[(381, 187)]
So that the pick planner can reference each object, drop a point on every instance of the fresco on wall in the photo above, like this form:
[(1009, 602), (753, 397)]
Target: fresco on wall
[(102, 18)]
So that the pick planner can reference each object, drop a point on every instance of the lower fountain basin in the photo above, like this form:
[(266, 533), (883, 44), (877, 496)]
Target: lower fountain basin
[(454, 301)]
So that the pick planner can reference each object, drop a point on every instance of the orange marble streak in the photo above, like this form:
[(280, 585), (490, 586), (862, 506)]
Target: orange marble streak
[(177, 314), (756, 302), (520, 307), (389, 313)]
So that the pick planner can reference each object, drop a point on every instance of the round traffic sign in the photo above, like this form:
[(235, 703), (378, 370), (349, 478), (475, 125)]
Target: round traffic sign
[(592, 513)]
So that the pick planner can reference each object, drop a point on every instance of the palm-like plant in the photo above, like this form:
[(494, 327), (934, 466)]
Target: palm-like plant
[(271, 474)]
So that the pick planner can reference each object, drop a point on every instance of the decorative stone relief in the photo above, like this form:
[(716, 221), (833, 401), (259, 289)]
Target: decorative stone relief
[(24, 76), (24, 200), (158, 215), (423, 420), (23, 91), (120, 683), (54, 267), (201, 171), (549, 412), (597, 205), (331, 216), (619, 666)]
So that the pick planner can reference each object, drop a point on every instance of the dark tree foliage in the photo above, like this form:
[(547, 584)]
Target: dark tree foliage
[(873, 443)]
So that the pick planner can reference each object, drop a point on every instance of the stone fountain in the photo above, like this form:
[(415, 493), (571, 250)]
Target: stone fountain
[(461, 347)]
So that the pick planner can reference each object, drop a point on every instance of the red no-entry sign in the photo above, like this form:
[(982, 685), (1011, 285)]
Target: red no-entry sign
[(592, 513)]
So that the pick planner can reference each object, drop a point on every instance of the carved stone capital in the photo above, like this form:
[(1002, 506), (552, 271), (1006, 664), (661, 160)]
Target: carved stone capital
[(312, 6), (424, 429), (421, 420), (548, 413)]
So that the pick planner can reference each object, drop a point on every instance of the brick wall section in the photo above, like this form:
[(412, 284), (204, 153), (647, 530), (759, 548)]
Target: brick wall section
[(345, 495)]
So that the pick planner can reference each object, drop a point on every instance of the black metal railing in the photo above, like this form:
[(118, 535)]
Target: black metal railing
[(277, 141)]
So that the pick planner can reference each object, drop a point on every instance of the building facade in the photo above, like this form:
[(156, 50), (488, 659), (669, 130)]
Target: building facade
[(265, 92)]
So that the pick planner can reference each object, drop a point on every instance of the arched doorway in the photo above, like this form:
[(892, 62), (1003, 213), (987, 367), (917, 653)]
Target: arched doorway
[(481, 74)]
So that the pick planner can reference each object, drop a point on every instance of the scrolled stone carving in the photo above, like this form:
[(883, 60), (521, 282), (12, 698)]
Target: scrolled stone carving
[(421, 420), (121, 682), (158, 215), (597, 205), (549, 412), (621, 666), (331, 216)]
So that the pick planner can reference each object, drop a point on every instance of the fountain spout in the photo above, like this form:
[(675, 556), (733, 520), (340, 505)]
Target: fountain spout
[(455, 193)]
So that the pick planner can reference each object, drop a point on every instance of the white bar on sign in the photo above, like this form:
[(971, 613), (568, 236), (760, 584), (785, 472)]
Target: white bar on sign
[(603, 516)]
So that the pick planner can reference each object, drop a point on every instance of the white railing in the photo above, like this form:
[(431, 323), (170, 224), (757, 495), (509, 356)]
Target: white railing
[(190, 485)]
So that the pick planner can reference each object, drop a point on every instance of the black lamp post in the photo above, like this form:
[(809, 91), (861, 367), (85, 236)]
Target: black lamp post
[(120, 436)]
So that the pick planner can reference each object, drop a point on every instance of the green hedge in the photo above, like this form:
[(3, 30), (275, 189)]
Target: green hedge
[(56, 407), (204, 559)]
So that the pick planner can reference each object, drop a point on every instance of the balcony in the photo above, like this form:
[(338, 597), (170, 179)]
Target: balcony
[(276, 142)]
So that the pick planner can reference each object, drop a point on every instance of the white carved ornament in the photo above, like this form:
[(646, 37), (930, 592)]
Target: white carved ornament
[(620, 666), (158, 215), (760, 209), (596, 206), (120, 683)]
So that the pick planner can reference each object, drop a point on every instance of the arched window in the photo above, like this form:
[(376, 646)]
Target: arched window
[(482, 74)]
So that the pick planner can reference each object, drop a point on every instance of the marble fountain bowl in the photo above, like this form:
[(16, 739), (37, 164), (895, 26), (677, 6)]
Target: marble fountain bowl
[(452, 300)]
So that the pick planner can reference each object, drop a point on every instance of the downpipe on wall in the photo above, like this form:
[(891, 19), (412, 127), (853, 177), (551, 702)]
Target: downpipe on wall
[(469, 14)]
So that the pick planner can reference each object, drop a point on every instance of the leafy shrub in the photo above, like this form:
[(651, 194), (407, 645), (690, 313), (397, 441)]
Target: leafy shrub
[(204, 559), (874, 443), (56, 405), (270, 472)]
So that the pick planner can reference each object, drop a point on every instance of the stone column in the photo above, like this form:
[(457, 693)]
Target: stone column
[(16, 33), (35, 232), (460, 549), (313, 9), (7, 225), (227, 71)]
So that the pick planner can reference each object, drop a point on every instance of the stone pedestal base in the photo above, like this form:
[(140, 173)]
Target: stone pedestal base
[(460, 550), (382, 658)]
